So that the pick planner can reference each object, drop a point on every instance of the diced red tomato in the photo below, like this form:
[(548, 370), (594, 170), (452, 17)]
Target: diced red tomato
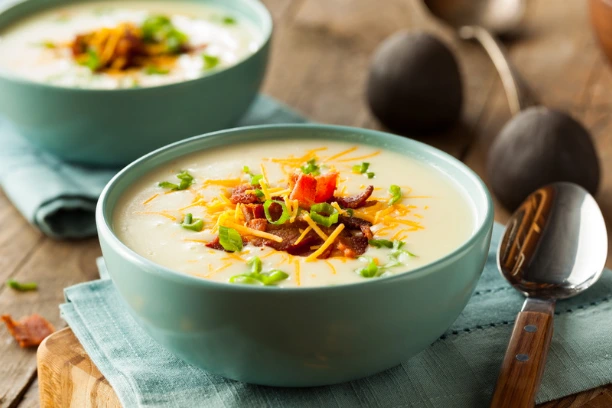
[(326, 185), (305, 190)]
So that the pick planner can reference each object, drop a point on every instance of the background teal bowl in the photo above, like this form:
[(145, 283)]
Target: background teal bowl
[(114, 127), (297, 336)]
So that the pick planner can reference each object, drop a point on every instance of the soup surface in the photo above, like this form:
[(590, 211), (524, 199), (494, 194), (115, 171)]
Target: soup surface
[(126, 44), (294, 213)]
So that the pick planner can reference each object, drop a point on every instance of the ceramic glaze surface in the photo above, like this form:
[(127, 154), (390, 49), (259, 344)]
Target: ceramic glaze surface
[(432, 218)]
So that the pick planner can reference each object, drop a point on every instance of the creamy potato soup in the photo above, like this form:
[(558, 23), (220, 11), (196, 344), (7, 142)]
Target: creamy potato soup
[(294, 214), (126, 44)]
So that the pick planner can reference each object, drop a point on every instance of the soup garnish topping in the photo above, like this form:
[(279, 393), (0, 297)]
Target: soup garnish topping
[(307, 215)]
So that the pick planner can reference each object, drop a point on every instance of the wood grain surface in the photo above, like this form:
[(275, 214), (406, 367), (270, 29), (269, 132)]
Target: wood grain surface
[(320, 57)]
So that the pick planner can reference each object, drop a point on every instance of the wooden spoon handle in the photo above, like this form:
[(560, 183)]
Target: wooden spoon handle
[(523, 365)]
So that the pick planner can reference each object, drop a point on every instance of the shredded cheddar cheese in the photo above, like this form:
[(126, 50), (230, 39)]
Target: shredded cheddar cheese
[(148, 200), (315, 227), (254, 232), (297, 272), (223, 182), (343, 153), (326, 244), (331, 266)]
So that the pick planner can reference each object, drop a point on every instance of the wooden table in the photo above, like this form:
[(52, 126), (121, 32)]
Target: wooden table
[(320, 59)]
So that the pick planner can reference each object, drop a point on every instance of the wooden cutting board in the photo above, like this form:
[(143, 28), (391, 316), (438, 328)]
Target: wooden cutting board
[(68, 378)]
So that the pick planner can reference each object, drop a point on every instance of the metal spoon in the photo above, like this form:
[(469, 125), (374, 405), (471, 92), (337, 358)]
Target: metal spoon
[(476, 20), (554, 247)]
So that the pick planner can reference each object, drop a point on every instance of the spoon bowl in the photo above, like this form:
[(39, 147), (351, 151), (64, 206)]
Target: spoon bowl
[(555, 246)]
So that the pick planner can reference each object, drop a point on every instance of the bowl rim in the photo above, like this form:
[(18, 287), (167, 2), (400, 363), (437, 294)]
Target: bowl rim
[(267, 32), (106, 233)]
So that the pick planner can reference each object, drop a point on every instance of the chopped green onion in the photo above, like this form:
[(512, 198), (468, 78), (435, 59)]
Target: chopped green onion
[(380, 243), (349, 211), (324, 214), (246, 279), (22, 287), (47, 44), (259, 193), (284, 216), (230, 239), (159, 29), (254, 179), (361, 168), (210, 61), (255, 264), (153, 70), (186, 181), (229, 20), (93, 60), (311, 167), (369, 271), (396, 194), (194, 224), (273, 276), (258, 277)]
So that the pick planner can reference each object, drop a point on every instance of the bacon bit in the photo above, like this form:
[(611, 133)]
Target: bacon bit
[(30, 331), (355, 201), (259, 224), (239, 195), (326, 185), (252, 211), (305, 190)]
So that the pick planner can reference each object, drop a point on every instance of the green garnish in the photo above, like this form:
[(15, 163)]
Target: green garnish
[(259, 193), (159, 29), (256, 276), (324, 214), (396, 194), (186, 181), (93, 60), (47, 44), (380, 243), (229, 20), (284, 216), (22, 287), (370, 270), (254, 179), (230, 239), (153, 70), (210, 61), (194, 224), (349, 211), (363, 169), (311, 168)]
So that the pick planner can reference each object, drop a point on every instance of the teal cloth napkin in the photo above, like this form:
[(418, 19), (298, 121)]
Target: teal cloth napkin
[(60, 198), (458, 370)]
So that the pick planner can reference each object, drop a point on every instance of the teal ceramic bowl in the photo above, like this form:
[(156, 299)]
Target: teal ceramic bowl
[(114, 127), (316, 336)]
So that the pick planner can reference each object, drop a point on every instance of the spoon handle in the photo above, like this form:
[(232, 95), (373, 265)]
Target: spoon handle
[(523, 365), (518, 95)]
